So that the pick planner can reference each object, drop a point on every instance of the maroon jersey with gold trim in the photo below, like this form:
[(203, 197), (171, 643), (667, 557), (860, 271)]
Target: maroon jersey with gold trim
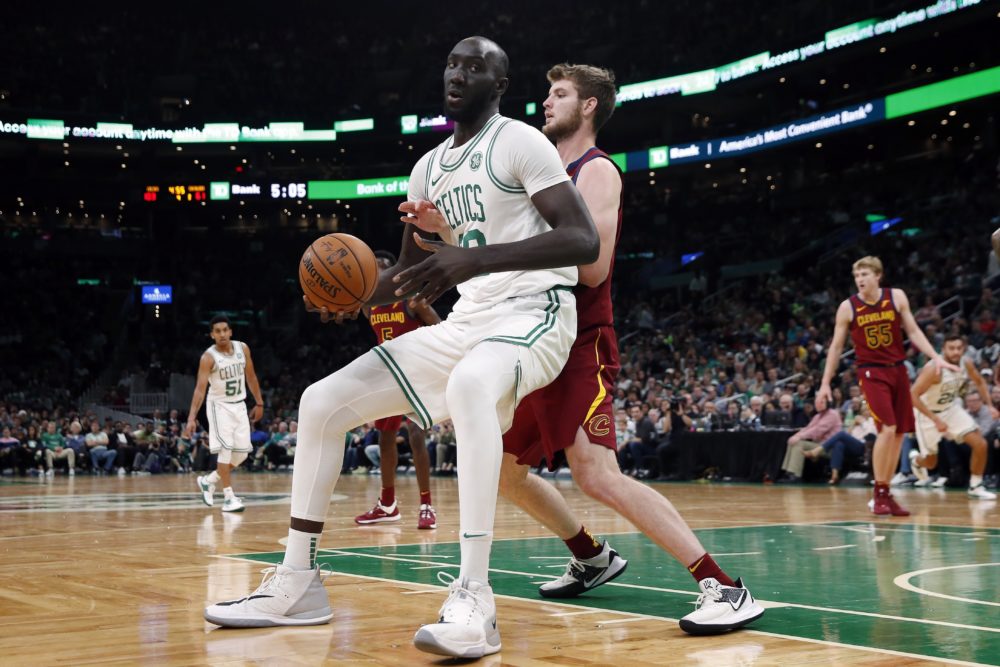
[(593, 304), (877, 331), (392, 321)]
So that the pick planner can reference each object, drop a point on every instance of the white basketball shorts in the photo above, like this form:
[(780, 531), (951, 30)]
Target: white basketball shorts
[(541, 327), (228, 426), (960, 424)]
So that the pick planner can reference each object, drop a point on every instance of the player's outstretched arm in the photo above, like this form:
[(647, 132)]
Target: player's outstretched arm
[(841, 325), (258, 409), (201, 386), (600, 185), (980, 383), (914, 333), (573, 241), (929, 376)]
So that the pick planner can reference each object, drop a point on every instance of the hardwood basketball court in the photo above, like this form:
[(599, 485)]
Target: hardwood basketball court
[(101, 571)]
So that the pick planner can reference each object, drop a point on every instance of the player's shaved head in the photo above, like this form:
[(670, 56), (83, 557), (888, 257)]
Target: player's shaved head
[(490, 51)]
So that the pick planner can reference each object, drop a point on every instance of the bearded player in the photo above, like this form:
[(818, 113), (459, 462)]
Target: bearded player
[(937, 398), (876, 317)]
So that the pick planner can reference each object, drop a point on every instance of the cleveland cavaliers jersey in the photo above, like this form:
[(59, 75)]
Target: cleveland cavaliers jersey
[(227, 381), (483, 188), (392, 321), (948, 391), (593, 304), (877, 331)]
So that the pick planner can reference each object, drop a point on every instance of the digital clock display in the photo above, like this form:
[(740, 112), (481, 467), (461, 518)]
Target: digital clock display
[(288, 190), (188, 192)]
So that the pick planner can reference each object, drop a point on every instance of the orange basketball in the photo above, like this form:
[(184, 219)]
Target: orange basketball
[(338, 271)]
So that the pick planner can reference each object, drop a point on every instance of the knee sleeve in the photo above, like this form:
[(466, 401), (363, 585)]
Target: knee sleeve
[(236, 458)]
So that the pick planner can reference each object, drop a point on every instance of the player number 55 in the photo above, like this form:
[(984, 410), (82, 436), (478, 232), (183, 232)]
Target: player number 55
[(878, 336)]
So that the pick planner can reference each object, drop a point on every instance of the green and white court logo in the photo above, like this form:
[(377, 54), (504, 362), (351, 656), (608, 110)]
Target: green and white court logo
[(476, 160)]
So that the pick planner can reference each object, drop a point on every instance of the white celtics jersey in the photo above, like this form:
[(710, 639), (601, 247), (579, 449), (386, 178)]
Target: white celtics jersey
[(227, 381), (483, 188), (949, 390)]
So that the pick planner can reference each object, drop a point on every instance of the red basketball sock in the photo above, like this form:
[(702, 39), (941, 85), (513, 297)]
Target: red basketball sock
[(425, 497), (388, 496), (706, 567), (881, 489), (583, 545)]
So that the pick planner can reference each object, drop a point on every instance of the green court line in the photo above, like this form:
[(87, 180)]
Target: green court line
[(842, 596)]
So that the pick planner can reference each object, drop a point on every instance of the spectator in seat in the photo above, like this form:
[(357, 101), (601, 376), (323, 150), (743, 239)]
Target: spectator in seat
[(77, 442), (852, 441), (102, 459), (731, 418), (822, 426), (56, 450)]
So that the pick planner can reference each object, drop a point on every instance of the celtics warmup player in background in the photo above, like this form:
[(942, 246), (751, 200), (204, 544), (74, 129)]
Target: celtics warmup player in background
[(876, 317), (224, 371), (937, 396), (517, 231)]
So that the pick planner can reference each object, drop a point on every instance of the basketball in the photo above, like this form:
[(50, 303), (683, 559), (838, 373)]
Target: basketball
[(338, 271)]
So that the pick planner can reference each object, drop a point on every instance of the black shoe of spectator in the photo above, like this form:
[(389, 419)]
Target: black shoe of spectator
[(790, 478)]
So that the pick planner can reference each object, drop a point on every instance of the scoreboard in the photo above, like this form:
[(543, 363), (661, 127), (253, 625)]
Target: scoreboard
[(221, 191)]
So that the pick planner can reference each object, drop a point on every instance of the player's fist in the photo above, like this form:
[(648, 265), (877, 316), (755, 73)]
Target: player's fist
[(256, 412), (189, 428)]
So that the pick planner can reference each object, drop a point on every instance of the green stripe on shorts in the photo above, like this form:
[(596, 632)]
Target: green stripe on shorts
[(540, 330), (404, 384)]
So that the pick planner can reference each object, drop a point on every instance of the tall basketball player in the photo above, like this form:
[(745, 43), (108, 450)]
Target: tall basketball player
[(937, 397), (392, 321), (876, 317), (517, 231), (224, 371)]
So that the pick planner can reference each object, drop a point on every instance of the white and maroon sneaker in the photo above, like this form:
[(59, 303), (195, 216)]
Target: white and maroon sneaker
[(379, 514), (427, 519)]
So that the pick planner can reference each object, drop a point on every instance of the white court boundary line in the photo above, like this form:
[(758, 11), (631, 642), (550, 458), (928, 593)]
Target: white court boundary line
[(638, 616), (903, 581), (767, 603)]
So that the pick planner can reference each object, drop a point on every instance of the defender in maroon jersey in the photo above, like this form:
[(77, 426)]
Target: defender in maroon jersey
[(389, 322), (876, 318), (574, 413)]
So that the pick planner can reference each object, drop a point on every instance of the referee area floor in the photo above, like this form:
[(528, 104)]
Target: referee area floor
[(117, 571)]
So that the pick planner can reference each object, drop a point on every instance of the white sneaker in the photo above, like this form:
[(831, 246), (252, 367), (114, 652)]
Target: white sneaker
[(919, 471), (939, 482), (582, 575), (467, 627), (121, 472), (51, 472), (233, 504), (923, 483), (72, 472), (721, 609), (207, 489), (285, 597), (979, 491), (897, 479)]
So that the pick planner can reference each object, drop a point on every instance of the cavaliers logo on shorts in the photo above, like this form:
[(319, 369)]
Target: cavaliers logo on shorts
[(599, 425)]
